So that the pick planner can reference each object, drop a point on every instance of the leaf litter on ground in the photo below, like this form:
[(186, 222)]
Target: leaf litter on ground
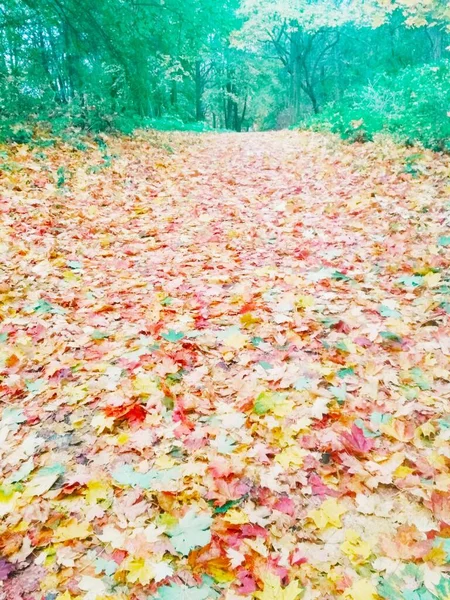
[(224, 370)]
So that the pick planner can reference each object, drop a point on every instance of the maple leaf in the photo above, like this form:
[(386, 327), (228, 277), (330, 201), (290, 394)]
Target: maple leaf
[(275, 402), (273, 591), (329, 513), (291, 456), (356, 549), (185, 592), (73, 530), (362, 589), (233, 338), (138, 570), (173, 336), (109, 567), (191, 531), (356, 442)]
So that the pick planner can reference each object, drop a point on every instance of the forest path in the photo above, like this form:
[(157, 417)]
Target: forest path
[(224, 369)]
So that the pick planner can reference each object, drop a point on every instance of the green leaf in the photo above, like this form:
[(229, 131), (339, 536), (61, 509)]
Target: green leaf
[(378, 418), (340, 276), (35, 387), (302, 383), (184, 592), (74, 264), (225, 444), (366, 432), (126, 475), (265, 365), (192, 531), (390, 336), (61, 177), (411, 281), (99, 335), (342, 346), (225, 507), (445, 306), (12, 416), (385, 311), (175, 377), (419, 379), (444, 240), (266, 401), (56, 469), (22, 473), (344, 372), (340, 393), (102, 565), (43, 306), (173, 336)]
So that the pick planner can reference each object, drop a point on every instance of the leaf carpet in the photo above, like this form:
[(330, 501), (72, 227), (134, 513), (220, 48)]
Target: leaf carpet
[(224, 369)]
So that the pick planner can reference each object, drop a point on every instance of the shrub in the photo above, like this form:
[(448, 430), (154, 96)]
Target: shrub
[(413, 106)]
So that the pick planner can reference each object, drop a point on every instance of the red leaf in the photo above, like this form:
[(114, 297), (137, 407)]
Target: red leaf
[(356, 442)]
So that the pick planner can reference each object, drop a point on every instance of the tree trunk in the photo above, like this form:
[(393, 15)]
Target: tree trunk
[(199, 89), (435, 35), (174, 94)]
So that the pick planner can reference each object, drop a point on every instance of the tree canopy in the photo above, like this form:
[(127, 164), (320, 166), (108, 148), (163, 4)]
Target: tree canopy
[(231, 64)]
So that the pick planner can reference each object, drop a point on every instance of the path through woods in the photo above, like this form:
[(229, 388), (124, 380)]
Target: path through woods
[(224, 369)]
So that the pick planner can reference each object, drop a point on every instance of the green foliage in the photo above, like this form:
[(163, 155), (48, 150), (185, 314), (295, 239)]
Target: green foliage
[(413, 106), (114, 66)]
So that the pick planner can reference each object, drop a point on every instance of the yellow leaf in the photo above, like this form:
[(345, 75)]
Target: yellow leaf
[(92, 210), (305, 301), (273, 590), (71, 276), (248, 319), (361, 590), (51, 582), (220, 575), (65, 596), (75, 394), (258, 545), (291, 456), (97, 490), (139, 571), (416, 22), (427, 429), (145, 384), (432, 280), (236, 517), (328, 514), (437, 556), (283, 408), (114, 537), (355, 548), (100, 423), (8, 500), (122, 439), (72, 531), (164, 461), (402, 472), (236, 341)]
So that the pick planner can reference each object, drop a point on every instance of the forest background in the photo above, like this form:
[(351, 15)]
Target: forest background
[(356, 67)]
